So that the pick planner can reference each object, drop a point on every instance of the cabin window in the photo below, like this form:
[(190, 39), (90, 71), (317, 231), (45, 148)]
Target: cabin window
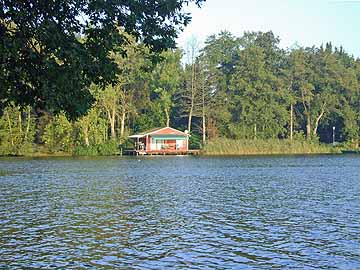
[(160, 144), (179, 144), (167, 144)]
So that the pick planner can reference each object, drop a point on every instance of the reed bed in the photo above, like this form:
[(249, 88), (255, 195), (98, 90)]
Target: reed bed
[(224, 146)]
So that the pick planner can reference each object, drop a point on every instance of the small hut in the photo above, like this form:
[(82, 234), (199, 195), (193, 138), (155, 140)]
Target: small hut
[(165, 140)]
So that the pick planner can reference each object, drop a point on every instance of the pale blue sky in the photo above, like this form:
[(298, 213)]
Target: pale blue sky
[(304, 22)]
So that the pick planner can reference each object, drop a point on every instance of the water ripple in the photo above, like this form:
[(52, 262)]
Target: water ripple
[(180, 213)]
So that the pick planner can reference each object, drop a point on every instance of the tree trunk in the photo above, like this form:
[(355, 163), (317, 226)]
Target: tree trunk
[(167, 117), (10, 129), (307, 112), (105, 133), (203, 116), (190, 117), (203, 129), (20, 124), (317, 122), (87, 143), (28, 122), (255, 131), (192, 96), (86, 136), (308, 126), (112, 119), (291, 121), (122, 125)]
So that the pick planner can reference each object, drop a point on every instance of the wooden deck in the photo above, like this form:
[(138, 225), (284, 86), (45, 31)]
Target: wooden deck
[(132, 152)]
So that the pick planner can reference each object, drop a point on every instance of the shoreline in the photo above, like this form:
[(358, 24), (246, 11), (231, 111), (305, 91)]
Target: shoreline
[(221, 147), (201, 154)]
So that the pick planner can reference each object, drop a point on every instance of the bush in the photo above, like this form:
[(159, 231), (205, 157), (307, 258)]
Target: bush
[(108, 148), (195, 141), (81, 150)]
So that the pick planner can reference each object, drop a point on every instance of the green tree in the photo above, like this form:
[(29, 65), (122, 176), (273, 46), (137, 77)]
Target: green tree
[(191, 90), (205, 98), (52, 52), (166, 80), (260, 106), (58, 134), (108, 101), (17, 129), (132, 85), (218, 59), (92, 128), (118, 100), (318, 84)]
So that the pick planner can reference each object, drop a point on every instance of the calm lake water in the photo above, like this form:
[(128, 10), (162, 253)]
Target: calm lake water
[(300, 212)]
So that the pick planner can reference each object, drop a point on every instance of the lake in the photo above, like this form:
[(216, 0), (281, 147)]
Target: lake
[(278, 212)]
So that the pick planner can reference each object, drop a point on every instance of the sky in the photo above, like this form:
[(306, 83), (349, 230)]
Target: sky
[(302, 22)]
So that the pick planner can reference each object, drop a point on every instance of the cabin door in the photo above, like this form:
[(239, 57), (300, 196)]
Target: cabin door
[(170, 144)]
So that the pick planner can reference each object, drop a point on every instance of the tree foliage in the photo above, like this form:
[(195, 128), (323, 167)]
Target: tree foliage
[(17, 129), (52, 51), (58, 136), (245, 88)]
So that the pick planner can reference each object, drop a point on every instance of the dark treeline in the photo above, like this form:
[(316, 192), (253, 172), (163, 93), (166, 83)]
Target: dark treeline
[(242, 88)]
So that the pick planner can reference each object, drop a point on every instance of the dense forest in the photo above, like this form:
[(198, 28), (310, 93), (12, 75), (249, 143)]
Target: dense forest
[(243, 88)]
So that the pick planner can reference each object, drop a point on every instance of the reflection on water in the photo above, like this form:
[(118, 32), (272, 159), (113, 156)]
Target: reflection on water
[(180, 213)]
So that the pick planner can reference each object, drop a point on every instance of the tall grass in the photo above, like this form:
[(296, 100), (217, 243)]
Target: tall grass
[(223, 146)]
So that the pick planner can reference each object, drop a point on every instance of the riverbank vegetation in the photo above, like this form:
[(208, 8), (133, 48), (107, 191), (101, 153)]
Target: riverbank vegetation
[(235, 95), (220, 147)]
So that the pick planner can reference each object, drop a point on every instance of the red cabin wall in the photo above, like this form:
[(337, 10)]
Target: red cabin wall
[(148, 145), (171, 144)]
